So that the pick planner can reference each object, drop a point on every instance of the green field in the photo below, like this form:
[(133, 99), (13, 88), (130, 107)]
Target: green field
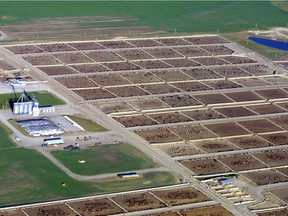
[(184, 16), (242, 38), (282, 4), (18, 127), (26, 176), (104, 159), (88, 124), (44, 98)]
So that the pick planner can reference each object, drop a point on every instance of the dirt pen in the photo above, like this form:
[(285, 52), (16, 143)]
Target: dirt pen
[(211, 211), (179, 149), (248, 142), (181, 196), (265, 177), (57, 210), (276, 138), (212, 146), (281, 212), (96, 207), (273, 158), (241, 162), (205, 166)]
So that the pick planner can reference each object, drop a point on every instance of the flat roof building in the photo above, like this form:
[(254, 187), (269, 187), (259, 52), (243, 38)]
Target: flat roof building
[(53, 141)]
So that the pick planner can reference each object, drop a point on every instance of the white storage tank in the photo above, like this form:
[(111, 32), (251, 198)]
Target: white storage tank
[(26, 107), (16, 108), (30, 107), (23, 105), (21, 108)]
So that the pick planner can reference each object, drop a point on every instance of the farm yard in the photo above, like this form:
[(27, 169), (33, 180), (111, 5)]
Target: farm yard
[(177, 89), (213, 107), (209, 105)]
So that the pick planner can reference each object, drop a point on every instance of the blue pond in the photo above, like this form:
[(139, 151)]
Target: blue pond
[(270, 43)]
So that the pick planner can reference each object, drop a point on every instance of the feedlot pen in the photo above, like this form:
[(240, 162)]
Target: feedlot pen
[(210, 104)]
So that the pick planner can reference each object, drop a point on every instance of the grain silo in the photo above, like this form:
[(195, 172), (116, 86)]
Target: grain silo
[(23, 105)]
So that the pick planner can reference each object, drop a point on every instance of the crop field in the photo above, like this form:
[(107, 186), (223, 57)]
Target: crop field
[(186, 18), (121, 158)]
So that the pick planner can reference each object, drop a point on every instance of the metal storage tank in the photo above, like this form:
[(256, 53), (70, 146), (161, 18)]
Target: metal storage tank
[(21, 108), (30, 107), (16, 108), (25, 106)]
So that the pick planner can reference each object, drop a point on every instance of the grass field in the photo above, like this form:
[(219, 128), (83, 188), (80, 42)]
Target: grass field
[(242, 38), (88, 124), (104, 159), (26, 176), (282, 4), (18, 127), (44, 98), (184, 16), (5, 141)]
